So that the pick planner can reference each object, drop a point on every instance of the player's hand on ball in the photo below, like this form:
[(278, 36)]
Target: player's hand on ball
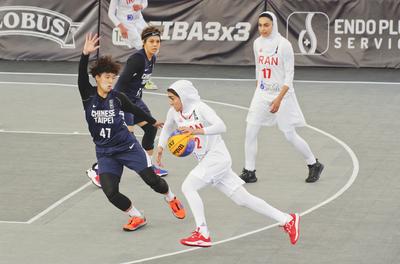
[(188, 130)]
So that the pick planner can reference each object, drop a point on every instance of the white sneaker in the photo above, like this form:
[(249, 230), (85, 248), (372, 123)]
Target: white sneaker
[(150, 86), (92, 174)]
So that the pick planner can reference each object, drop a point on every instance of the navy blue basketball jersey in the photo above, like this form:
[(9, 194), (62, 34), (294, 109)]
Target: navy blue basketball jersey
[(106, 124), (136, 73)]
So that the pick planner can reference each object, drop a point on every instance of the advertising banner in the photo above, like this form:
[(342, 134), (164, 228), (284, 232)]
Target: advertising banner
[(194, 31), (355, 33), (45, 29)]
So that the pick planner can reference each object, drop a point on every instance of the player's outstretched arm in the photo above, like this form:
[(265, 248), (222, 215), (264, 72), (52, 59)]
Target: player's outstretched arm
[(85, 88)]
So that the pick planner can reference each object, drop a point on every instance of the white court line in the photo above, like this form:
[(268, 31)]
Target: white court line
[(41, 84), (330, 199), (336, 195), (56, 204), (204, 79), (51, 207), (43, 132)]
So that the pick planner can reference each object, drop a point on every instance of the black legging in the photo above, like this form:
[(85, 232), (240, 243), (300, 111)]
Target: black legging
[(110, 186)]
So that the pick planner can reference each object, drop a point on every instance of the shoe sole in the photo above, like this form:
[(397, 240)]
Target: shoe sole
[(95, 184), (250, 181), (136, 228), (179, 217), (194, 244), (319, 175)]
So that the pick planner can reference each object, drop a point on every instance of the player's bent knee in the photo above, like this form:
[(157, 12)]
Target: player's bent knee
[(239, 196), (110, 187), (120, 201), (157, 183), (109, 184)]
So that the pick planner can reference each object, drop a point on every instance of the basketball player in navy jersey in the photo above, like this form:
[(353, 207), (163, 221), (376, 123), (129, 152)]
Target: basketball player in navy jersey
[(116, 147), (136, 74)]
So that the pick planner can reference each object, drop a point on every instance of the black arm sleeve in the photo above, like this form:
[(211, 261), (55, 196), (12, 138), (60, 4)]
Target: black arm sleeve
[(134, 67), (128, 106), (85, 88)]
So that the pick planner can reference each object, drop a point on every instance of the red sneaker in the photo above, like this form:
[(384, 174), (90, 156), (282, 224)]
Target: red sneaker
[(196, 240), (292, 228), (177, 208), (134, 223)]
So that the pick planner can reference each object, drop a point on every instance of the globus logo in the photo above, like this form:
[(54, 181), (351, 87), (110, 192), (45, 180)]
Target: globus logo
[(38, 22), (309, 42)]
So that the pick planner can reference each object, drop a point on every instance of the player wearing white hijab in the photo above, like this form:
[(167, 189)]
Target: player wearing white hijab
[(127, 16), (193, 116), (274, 101)]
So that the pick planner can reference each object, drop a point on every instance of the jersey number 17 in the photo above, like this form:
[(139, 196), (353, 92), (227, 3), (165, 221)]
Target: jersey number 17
[(266, 73)]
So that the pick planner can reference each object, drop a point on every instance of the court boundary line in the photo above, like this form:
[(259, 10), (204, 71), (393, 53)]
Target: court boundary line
[(330, 199), (205, 79)]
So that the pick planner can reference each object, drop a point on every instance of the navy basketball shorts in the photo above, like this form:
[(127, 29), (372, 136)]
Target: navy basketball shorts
[(135, 158), (130, 120)]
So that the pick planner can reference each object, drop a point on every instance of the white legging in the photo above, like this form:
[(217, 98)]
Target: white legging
[(251, 146), (240, 196)]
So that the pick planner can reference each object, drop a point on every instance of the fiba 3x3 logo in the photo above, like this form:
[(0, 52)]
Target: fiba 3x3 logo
[(308, 42)]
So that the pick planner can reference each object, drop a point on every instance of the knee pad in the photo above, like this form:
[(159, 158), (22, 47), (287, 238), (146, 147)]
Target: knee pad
[(109, 184), (120, 201), (150, 133), (111, 190), (157, 183)]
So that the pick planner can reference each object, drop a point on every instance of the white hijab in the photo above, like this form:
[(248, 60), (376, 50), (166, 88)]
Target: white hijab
[(270, 43), (189, 95)]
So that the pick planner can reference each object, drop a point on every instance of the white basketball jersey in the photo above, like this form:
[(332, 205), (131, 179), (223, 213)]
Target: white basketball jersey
[(273, 69), (196, 120), (123, 11)]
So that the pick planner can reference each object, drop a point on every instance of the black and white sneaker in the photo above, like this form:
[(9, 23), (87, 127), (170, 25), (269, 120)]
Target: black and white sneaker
[(93, 175), (314, 171), (248, 176)]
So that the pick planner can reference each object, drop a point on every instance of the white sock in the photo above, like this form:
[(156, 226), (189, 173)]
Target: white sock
[(203, 229), (134, 212), (250, 146), (170, 196), (301, 145)]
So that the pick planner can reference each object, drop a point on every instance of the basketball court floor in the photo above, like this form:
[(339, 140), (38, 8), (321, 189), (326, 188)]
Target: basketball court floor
[(51, 213)]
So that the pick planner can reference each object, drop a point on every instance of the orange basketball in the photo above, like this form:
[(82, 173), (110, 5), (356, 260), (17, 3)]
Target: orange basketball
[(181, 144)]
